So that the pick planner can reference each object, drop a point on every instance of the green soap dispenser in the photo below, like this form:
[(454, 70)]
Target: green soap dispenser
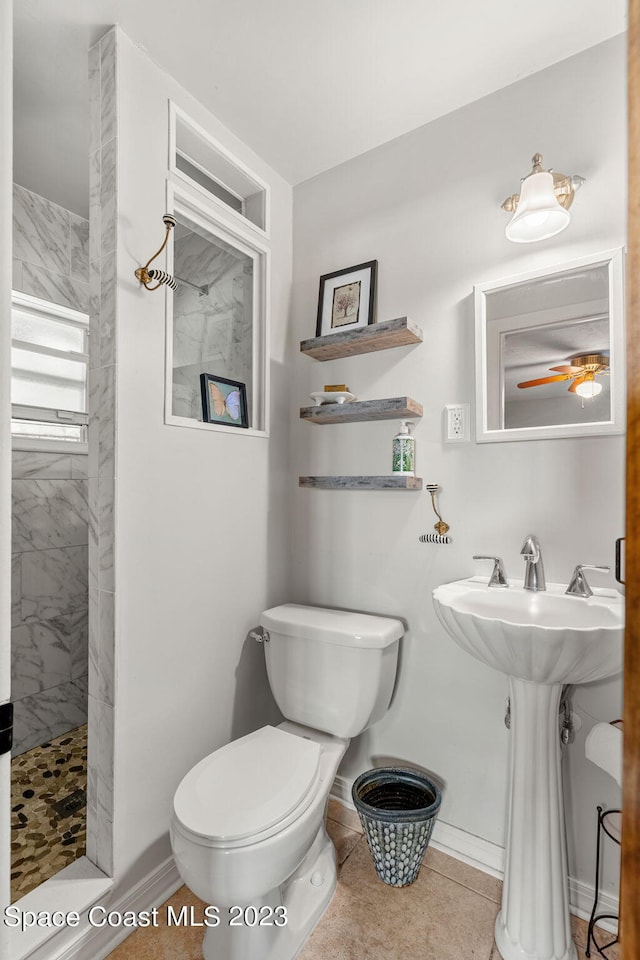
[(404, 451)]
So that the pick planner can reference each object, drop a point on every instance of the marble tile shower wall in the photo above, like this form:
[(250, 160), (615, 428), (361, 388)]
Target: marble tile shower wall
[(50, 251), (212, 333), (103, 207), (49, 610), (50, 509)]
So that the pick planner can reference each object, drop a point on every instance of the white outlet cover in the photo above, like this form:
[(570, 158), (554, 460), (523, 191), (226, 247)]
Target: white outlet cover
[(456, 423)]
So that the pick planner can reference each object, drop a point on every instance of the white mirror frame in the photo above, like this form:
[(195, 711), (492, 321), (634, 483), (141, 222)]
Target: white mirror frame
[(616, 424), (182, 200)]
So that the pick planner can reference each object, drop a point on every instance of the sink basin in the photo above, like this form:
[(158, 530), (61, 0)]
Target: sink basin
[(543, 637)]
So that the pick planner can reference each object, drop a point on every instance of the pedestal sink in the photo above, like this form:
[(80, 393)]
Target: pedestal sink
[(541, 640)]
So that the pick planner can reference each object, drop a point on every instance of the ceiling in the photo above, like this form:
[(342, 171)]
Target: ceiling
[(306, 84)]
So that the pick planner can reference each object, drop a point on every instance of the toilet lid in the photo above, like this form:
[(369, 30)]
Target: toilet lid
[(247, 786)]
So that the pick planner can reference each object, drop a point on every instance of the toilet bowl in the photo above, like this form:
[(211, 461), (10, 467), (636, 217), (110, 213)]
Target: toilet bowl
[(248, 825), (263, 845)]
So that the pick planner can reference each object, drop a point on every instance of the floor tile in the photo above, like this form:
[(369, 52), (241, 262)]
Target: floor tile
[(344, 840), (368, 920), (342, 814), (447, 914), (166, 943), (43, 839), (580, 930), (464, 874)]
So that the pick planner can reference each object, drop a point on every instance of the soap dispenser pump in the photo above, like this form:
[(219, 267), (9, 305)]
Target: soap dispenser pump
[(404, 460)]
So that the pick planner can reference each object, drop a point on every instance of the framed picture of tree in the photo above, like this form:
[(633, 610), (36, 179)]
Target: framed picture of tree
[(347, 299)]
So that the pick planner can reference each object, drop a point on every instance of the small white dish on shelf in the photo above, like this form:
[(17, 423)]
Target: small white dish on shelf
[(332, 396)]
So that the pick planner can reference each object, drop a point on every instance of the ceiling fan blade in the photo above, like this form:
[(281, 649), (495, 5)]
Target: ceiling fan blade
[(572, 388), (541, 380), (566, 369)]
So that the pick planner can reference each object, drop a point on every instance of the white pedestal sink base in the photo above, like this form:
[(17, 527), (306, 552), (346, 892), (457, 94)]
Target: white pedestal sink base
[(533, 923), (546, 639)]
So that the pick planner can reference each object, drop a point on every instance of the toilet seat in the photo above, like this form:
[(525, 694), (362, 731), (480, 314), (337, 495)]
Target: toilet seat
[(249, 789)]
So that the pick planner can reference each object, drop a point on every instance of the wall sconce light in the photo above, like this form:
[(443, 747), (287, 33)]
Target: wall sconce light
[(146, 276), (541, 209)]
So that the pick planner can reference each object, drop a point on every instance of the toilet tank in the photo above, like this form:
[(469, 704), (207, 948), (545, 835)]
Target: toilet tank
[(333, 670)]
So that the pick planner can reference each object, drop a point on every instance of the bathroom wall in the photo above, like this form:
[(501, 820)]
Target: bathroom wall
[(193, 533), (49, 506), (427, 207), (50, 251)]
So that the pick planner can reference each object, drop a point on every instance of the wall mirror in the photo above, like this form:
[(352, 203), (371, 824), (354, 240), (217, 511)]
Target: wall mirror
[(549, 351)]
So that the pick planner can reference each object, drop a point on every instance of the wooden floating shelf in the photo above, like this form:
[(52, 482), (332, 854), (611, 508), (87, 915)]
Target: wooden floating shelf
[(395, 408), (362, 483), (376, 336)]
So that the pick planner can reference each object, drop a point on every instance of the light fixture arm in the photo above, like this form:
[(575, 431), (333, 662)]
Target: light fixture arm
[(146, 276)]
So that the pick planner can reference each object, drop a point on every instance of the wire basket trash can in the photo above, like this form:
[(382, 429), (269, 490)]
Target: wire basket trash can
[(397, 809)]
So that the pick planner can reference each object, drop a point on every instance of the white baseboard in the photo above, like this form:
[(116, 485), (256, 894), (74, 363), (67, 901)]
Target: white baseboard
[(481, 854), (341, 791), (96, 943), (581, 902), (489, 857)]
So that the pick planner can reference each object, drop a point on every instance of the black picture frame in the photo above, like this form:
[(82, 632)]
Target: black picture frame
[(215, 408), (351, 291)]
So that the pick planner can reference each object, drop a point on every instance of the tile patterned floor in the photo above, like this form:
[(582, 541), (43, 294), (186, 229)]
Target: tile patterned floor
[(44, 840), (447, 914)]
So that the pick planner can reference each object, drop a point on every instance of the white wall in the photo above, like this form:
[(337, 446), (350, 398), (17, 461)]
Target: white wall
[(426, 206), (201, 532)]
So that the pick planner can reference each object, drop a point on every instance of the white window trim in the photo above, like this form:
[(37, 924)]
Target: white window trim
[(74, 318), (73, 448), (181, 178), (194, 206)]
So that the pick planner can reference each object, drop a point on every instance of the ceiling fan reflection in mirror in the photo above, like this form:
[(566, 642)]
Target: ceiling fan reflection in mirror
[(582, 370)]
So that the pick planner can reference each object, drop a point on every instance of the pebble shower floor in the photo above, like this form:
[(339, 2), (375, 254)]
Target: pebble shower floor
[(44, 839)]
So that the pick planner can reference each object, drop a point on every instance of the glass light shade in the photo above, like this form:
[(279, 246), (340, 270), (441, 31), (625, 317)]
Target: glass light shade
[(538, 214), (588, 389)]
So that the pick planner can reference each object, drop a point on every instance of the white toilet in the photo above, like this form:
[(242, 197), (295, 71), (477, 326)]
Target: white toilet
[(248, 827)]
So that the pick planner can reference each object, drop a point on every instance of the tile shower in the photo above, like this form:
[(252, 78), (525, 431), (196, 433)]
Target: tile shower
[(49, 596), (49, 608), (212, 326)]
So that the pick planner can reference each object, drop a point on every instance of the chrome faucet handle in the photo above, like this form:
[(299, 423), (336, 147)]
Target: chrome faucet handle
[(578, 586), (498, 577)]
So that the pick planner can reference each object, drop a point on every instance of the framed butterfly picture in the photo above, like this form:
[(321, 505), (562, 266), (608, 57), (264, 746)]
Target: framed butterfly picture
[(223, 401)]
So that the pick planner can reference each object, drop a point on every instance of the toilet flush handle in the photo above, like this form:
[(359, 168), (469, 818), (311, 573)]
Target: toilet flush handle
[(260, 635)]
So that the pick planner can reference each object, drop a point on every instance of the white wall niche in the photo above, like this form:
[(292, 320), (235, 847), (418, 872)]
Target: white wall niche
[(225, 330)]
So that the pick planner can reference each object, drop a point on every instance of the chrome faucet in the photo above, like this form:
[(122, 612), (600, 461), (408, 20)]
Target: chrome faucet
[(534, 571), (578, 586)]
